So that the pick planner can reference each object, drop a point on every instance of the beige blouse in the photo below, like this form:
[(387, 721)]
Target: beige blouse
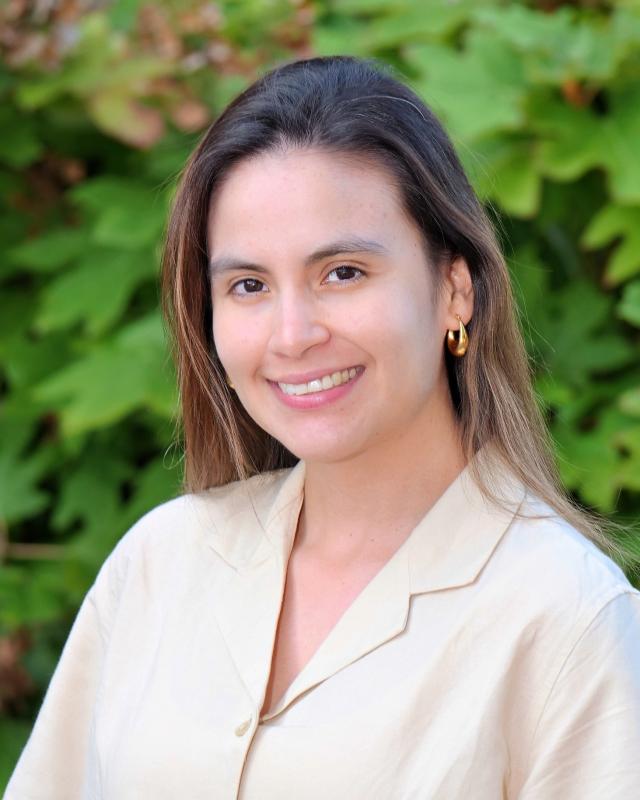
[(494, 656)]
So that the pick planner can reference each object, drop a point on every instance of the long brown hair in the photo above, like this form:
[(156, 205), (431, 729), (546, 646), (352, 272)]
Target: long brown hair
[(356, 107)]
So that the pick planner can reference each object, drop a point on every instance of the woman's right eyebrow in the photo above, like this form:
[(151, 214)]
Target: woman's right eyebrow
[(353, 244), (222, 264)]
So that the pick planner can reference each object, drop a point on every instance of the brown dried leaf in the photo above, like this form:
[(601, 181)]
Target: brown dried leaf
[(189, 115), (14, 10), (15, 682), (157, 34), (204, 19), (577, 93), (25, 49), (126, 119)]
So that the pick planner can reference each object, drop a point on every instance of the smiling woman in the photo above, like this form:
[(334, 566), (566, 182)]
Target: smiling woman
[(373, 586), (298, 304)]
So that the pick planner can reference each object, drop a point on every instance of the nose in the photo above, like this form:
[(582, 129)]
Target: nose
[(298, 325)]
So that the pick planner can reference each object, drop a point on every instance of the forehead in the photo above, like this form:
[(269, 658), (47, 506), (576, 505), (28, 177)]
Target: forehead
[(298, 197)]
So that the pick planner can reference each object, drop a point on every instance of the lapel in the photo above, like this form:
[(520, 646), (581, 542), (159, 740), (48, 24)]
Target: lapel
[(452, 543), (251, 584), (378, 614), (446, 550)]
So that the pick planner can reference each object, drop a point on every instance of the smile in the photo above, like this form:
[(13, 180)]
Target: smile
[(321, 384)]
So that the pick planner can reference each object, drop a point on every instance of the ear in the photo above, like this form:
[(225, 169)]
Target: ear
[(458, 293)]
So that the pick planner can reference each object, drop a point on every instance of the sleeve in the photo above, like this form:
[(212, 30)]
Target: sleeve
[(587, 742), (57, 761)]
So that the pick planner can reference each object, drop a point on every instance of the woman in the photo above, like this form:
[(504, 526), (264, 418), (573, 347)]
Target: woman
[(374, 587)]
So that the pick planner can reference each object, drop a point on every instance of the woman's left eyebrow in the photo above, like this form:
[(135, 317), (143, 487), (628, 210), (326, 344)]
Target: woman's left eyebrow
[(353, 244)]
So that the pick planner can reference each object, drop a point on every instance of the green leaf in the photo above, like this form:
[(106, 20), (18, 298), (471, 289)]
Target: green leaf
[(611, 223), (19, 143), (341, 35), (602, 460), (590, 401), (25, 356), (156, 483), (17, 311), (627, 439), (458, 84), (504, 169), (446, 16), (51, 250), (13, 736), (427, 20), (625, 25), (629, 402), (20, 471), (556, 47), (575, 140), (29, 358), (553, 392), (123, 14), (91, 495), (629, 307), (97, 291), (32, 595), (121, 375), (569, 333), (588, 463), (127, 213)]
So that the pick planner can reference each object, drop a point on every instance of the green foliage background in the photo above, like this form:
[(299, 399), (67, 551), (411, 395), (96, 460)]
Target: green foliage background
[(98, 113)]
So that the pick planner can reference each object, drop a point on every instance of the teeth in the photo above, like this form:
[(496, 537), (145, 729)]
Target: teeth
[(319, 384)]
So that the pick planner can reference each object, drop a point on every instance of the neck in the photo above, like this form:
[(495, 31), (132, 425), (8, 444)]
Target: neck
[(366, 506)]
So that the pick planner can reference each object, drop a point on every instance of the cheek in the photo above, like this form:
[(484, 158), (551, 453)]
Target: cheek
[(235, 340), (413, 347), (408, 322)]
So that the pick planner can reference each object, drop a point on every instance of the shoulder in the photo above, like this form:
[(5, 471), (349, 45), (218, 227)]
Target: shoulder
[(578, 619), (560, 576), (562, 607), (191, 517), (555, 548), (172, 538), (209, 511)]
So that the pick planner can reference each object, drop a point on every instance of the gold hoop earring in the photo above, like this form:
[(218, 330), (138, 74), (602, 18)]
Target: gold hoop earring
[(458, 347), (228, 381)]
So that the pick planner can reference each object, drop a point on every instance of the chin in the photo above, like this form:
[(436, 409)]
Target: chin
[(321, 450)]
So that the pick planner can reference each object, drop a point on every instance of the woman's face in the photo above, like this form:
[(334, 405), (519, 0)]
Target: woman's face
[(324, 313)]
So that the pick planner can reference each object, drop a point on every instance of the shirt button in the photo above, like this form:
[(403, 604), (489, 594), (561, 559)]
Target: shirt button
[(243, 727)]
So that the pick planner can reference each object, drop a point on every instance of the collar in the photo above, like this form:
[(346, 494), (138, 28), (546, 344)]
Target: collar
[(448, 548), (458, 535), (248, 521), (256, 523)]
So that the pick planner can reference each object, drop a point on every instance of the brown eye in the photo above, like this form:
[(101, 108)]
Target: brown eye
[(248, 286), (345, 274)]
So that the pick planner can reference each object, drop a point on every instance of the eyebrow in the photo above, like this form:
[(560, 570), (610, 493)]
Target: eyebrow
[(353, 244)]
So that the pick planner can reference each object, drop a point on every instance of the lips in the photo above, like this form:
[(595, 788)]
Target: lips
[(310, 394)]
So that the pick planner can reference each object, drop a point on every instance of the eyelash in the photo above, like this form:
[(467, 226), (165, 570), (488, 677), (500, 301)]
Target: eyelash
[(354, 279)]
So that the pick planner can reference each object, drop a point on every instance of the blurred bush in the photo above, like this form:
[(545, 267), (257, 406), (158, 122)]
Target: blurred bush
[(101, 104)]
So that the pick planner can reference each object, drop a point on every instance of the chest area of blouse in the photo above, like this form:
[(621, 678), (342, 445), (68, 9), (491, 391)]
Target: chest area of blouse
[(316, 596), (435, 689)]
